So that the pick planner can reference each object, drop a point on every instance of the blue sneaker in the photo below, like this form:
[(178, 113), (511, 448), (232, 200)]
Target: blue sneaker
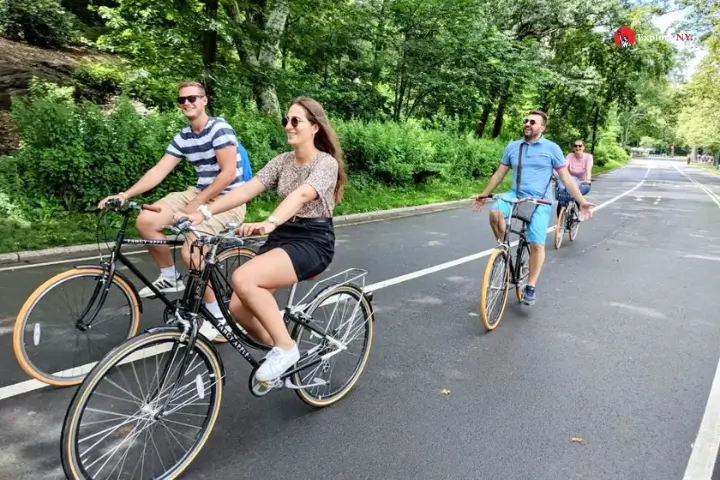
[(529, 295)]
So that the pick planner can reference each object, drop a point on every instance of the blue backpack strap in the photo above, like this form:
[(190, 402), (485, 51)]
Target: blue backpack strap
[(245, 164)]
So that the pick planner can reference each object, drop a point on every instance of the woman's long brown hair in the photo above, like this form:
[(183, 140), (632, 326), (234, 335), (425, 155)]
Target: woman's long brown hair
[(326, 140)]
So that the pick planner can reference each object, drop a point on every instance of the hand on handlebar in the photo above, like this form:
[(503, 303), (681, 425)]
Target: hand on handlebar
[(195, 218), (117, 198), (260, 228)]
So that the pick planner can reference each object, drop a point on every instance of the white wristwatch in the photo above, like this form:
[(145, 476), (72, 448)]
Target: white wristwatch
[(272, 220), (205, 211)]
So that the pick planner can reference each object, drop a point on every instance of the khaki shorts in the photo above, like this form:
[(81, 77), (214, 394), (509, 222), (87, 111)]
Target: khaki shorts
[(178, 200)]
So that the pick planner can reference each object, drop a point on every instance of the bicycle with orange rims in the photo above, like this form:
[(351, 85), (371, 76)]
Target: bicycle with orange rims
[(76, 317), (504, 269)]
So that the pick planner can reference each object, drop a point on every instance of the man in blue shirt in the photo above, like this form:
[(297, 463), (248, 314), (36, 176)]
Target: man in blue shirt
[(539, 158)]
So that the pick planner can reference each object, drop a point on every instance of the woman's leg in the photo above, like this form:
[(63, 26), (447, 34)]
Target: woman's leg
[(251, 283), (248, 321)]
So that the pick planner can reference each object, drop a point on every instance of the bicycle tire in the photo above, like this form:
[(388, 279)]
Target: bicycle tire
[(69, 442), (575, 225), (495, 255), (31, 302), (523, 262), (321, 297), (560, 228)]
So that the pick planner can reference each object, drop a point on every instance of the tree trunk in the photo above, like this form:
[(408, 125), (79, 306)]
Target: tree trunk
[(265, 94), (482, 123), (595, 124), (210, 51), (497, 127)]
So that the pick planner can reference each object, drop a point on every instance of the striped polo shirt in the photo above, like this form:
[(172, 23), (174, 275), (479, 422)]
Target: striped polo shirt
[(199, 149)]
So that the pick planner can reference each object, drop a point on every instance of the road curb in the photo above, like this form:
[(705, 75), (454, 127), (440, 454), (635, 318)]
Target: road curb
[(29, 256)]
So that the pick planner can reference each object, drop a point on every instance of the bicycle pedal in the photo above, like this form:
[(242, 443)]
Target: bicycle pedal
[(318, 383)]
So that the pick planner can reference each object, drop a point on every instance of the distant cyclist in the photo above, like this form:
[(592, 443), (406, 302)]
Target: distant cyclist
[(540, 157), (580, 166)]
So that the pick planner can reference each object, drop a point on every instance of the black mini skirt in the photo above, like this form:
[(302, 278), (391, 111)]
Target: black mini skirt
[(309, 242)]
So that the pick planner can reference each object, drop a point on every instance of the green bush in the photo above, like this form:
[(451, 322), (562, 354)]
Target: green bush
[(39, 22), (73, 154), (609, 152)]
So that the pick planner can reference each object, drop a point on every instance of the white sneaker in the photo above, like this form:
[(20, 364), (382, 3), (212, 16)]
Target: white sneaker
[(277, 362), (165, 285), (208, 331)]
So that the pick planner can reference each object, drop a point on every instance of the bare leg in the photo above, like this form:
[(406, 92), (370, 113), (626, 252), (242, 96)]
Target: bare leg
[(251, 283), (537, 258), (249, 322), (497, 223), (151, 225)]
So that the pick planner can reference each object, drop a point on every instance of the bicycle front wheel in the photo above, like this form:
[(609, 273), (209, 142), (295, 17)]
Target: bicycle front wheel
[(57, 340), (560, 227), (113, 431), (494, 289), (574, 224)]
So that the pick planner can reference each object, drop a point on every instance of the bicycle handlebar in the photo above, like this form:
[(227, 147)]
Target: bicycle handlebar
[(515, 200), (116, 204)]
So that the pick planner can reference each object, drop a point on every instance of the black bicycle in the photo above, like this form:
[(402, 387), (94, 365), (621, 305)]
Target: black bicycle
[(568, 219), (502, 269), (186, 376), (68, 337)]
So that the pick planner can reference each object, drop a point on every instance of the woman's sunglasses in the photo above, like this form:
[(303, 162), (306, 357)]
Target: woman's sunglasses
[(189, 98), (292, 121), (578, 146)]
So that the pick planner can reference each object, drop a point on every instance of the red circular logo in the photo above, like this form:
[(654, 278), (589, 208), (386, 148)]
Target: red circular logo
[(624, 37)]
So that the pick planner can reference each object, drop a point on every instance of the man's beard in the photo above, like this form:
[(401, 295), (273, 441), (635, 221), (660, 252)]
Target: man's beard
[(529, 135)]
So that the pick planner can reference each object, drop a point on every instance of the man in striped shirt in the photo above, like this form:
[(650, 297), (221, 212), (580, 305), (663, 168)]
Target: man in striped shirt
[(211, 146)]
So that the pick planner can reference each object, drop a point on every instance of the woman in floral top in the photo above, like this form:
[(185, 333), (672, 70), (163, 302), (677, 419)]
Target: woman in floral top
[(301, 238)]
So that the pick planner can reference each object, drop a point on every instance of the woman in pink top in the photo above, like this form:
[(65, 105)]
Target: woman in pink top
[(580, 167)]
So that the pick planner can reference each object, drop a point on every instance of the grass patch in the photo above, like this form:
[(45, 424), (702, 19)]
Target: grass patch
[(707, 166), (610, 165), (58, 229)]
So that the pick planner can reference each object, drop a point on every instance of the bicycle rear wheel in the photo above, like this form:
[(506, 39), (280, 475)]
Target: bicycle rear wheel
[(494, 289), (61, 342), (354, 331), (106, 419)]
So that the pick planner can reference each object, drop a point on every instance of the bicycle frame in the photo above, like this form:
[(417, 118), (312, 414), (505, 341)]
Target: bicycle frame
[(102, 288), (522, 242), (192, 302)]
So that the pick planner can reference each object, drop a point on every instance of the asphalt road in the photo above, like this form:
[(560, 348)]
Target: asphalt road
[(619, 350)]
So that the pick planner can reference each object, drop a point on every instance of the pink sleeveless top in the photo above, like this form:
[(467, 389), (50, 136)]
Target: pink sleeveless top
[(579, 167)]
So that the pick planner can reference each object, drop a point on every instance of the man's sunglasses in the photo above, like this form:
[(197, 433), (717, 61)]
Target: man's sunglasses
[(189, 98), (528, 120), (578, 146), (292, 121)]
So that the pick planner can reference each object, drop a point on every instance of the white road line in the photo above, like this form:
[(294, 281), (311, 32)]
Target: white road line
[(31, 385), (705, 448)]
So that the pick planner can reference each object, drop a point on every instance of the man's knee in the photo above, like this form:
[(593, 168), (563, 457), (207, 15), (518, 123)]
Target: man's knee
[(537, 247), (150, 221)]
